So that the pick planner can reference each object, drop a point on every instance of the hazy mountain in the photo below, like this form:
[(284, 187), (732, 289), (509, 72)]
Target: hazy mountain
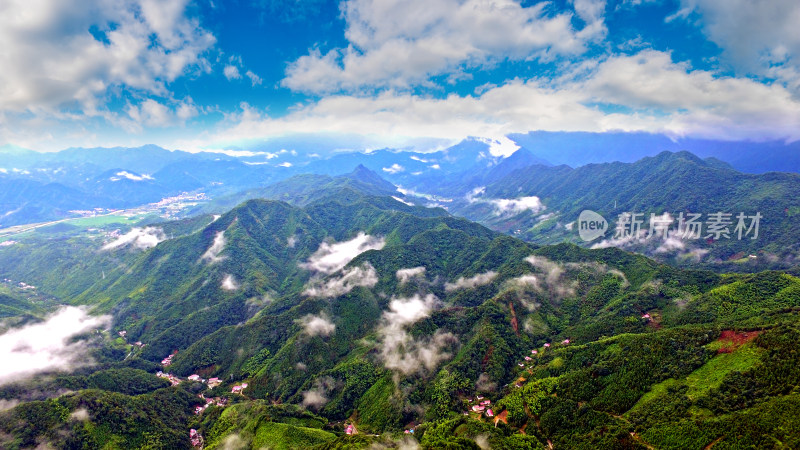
[(674, 183), (580, 148)]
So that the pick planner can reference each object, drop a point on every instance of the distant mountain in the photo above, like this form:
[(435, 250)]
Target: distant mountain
[(26, 201), (668, 182), (580, 148), (304, 189)]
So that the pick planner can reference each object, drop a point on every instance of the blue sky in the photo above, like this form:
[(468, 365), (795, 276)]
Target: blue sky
[(417, 74)]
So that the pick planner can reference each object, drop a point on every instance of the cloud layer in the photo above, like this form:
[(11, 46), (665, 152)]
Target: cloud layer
[(397, 43), (48, 345)]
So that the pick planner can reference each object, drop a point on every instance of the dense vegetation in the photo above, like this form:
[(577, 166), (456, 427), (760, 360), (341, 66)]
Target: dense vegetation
[(574, 348)]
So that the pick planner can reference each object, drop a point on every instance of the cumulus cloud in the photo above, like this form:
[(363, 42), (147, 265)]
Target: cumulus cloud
[(397, 43), (140, 238), (472, 282), (351, 278), (71, 53), (48, 345), (231, 72), (757, 37), (317, 325), (153, 113), (211, 255), (404, 275), (399, 350), (331, 257), (229, 283)]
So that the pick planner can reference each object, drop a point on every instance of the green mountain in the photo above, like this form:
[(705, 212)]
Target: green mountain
[(674, 183), (359, 312), (303, 189)]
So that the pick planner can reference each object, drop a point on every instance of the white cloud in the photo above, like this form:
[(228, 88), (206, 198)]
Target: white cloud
[(402, 201), (152, 113), (231, 72), (517, 205), (406, 311), (671, 244), (51, 59), (404, 275), (351, 278), (255, 80), (472, 282), (555, 280), (320, 325), (502, 146), (394, 168), (758, 36), (398, 43), (229, 283), (655, 93), (505, 206), (526, 280), (331, 257), (399, 350), (316, 397), (211, 255), (48, 345), (81, 415), (130, 176), (140, 238)]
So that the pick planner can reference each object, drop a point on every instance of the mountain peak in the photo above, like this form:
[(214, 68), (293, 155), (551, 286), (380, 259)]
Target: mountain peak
[(363, 174)]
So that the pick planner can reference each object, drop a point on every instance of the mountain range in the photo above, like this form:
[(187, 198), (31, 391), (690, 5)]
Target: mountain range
[(41, 187), (353, 319)]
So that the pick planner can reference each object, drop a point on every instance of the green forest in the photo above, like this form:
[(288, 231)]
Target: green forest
[(441, 334)]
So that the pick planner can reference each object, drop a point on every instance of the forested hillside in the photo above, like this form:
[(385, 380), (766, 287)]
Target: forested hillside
[(358, 320)]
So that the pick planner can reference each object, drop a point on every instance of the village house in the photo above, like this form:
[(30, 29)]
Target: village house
[(239, 388)]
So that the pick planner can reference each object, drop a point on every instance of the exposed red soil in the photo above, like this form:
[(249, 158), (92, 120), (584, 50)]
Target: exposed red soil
[(502, 417), (732, 339), (514, 323)]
